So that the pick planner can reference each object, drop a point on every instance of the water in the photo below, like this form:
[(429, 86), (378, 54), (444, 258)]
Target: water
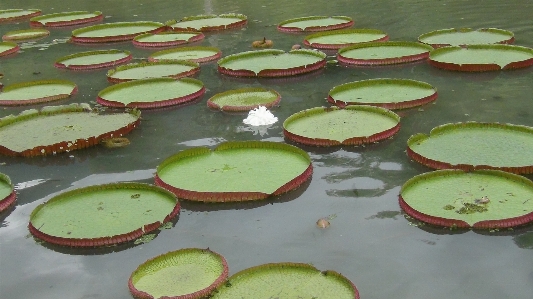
[(369, 241)]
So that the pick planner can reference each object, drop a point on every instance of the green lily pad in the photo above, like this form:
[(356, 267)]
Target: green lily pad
[(157, 69), (235, 171), (34, 92), (386, 93), (7, 48), (9, 15), (103, 214), (185, 273), (112, 32), (244, 99), (472, 145), (272, 63), (151, 93), (195, 54), (383, 53), (57, 129), (337, 39), (70, 18), (353, 125), (167, 39), (93, 59), (210, 22), (315, 23), (286, 280), (485, 199), (466, 36), (7, 193), (21, 35)]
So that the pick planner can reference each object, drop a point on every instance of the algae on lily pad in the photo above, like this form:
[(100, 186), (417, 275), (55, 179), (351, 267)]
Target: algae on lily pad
[(7, 193), (70, 18), (383, 53), (195, 54), (93, 59), (466, 36), (34, 92), (10, 15), (145, 70), (337, 39), (210, 22), (244, 99), (315, 23), (113, 32)]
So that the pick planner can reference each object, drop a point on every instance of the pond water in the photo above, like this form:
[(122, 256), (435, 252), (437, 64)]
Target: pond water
[(369, 240)]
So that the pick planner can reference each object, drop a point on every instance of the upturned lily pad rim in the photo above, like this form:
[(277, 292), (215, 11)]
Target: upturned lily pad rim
[(384, 61), (195, 68), (387, 81), (137, 41), (238, 24), (348, 22), (32, 13), (39, 99), (127, 57), (212, 102), (216, 53), (13, 48), (198, 294), (10, 199), (37, 21), (158, 27), (104, 240), (457, 223), (510, 36), (307, 40), (15, 35)]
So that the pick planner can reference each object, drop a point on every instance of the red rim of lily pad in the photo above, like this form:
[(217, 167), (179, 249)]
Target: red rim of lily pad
[(71, 112), (7, 48), (183, 69), (187, 23), (207, 195), (62, 19), (167, 39), (367, 54), (333, 114), (460, 37), (183, 90), (481, 144), (39, 98), (345, 38), (290, 26), (427, 93), (86, 34), (66, 227), (9, 199), (18, 14), (188, 53), (195, 257), (469, 199), (481, 58), (246, 99), (21, 35), (118, 56)]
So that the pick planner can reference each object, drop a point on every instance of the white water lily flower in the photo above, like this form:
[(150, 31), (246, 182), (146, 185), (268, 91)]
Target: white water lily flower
[(260, 117)]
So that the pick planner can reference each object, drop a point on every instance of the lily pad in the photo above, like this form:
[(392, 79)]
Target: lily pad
[(383, 53), (244, 99), (7, 193), (386, 93), (93, 59), (185, 273), (9, 15), (151, 93), (157, 69), (287, 280), (484, 199), (272, 63), (103, 215), (167, 39), (57, 129), (211, 22), (472, 145), (315, 23), (7, 48), (112, 32), (466, 36), (481, 58), (34, 92), (235, 171), (195, 54), (70, 18), (337, 39), (21, 35), (353, 125)]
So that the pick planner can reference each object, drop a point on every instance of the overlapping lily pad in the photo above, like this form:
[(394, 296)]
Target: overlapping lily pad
[(7, 48), (34, 92), (7, 193), (9, 15), (485, 199), (93, 59), (235, 171), (383, 53), (57, 129), (472, 146), (210, 22), (337, 39), (244, 99), (353, 125), (287, 280), (112, 32), (185, 273), (151, 93), (480, 58), (272, 63), (466, 36), (21, 35), (315, 23), (156, 69), (384, 92), (167, 39), (70, 18), (103, 215), (195, 54)]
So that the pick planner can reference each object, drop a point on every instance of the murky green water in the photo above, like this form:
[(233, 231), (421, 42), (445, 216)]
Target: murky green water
[(369, 241)]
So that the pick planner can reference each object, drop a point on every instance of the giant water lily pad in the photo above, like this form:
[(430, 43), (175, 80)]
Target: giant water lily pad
[(66, 18), (480, 58), (315, 23), (7, 193), (156, 69), (286, 280), (112, 32), (210, 22), (103, 214), (337, 39), (473, 145), (383, 53), (93, 59), (57, 129), (167, 39), (384, 92), (271, 63), (481, 199), (353, 125), (195, 54), (244, 99), (22, 35), (186, 273), (35, 92), (235, 171), (9, 15), (151, 93), (466, 36), (7, 48)]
